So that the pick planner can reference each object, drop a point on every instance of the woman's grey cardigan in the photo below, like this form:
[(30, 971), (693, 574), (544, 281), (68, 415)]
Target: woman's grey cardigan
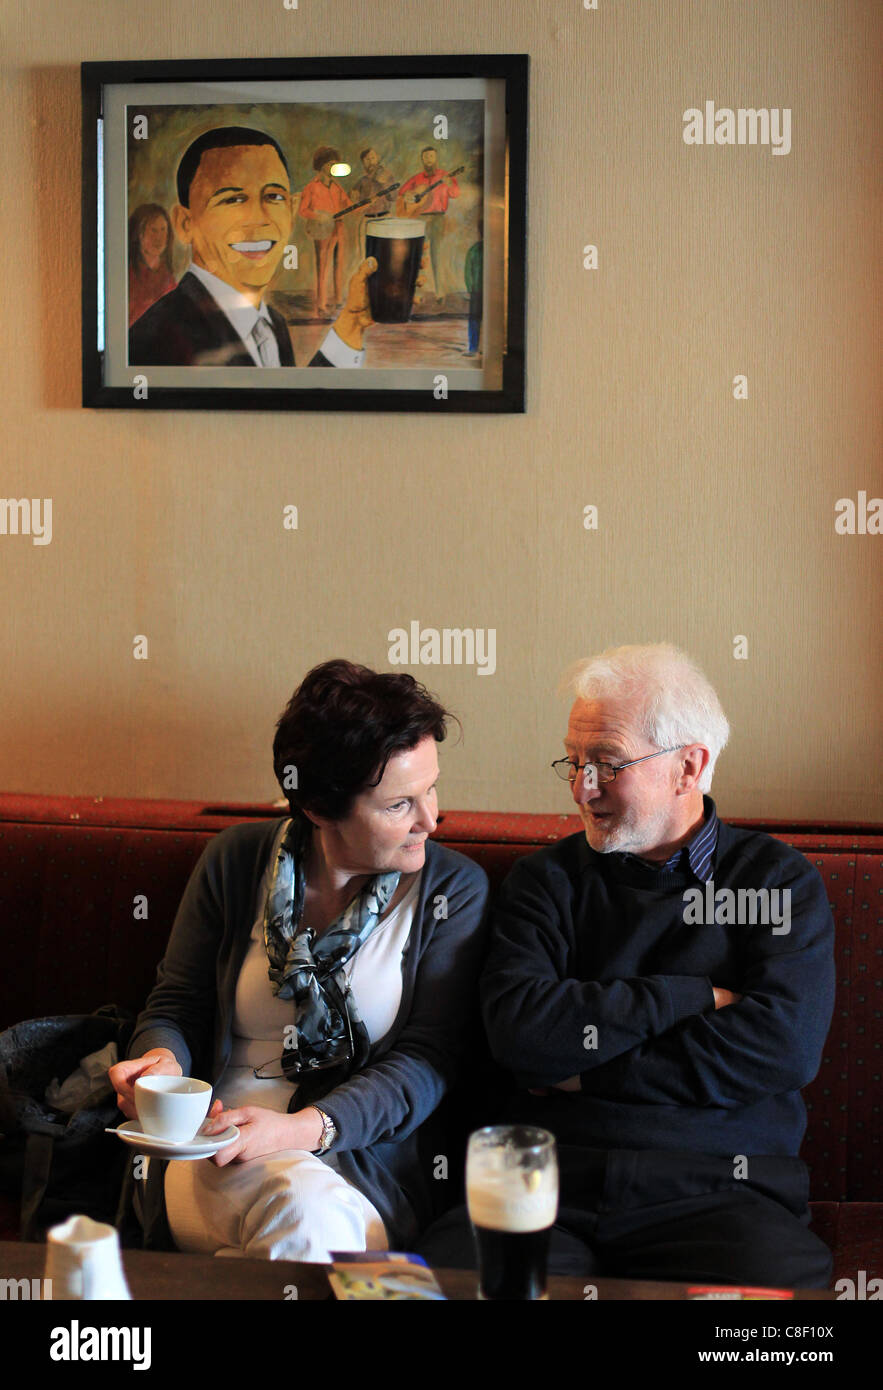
[(379, 1109)]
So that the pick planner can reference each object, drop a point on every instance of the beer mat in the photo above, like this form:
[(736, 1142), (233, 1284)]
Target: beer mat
[(382, 1274), (728, 1291)]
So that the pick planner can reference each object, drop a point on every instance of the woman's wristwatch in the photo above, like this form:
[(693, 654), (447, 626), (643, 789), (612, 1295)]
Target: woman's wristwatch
[(329, 1132)]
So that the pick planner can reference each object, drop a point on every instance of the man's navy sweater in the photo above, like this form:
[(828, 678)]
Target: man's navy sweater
[(582, 940)]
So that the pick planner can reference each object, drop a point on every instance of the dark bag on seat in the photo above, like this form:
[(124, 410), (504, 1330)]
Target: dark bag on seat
[(58, 1164)]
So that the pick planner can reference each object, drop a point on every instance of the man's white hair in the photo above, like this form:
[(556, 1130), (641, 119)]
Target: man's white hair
[(676, 703)]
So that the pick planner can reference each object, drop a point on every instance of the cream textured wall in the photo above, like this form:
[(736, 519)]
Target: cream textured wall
[(716, 516)]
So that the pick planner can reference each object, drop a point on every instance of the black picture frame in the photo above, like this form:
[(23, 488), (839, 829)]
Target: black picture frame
[(111, 171)]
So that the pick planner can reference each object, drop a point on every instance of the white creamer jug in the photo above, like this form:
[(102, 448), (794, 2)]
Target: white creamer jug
[(83, 1261)]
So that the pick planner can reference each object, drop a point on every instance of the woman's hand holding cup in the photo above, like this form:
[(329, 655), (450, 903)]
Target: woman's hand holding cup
[(160, 1061)]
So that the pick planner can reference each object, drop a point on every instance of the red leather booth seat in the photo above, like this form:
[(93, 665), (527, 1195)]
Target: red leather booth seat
[(71, 867)]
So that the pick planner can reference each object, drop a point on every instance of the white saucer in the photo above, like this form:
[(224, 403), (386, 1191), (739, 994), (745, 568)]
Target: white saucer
[(167, 1148)]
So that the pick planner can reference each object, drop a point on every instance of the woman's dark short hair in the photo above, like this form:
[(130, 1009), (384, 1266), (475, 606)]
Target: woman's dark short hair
[(341, 727)]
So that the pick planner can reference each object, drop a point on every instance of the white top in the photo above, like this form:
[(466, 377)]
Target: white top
[(374, 975)]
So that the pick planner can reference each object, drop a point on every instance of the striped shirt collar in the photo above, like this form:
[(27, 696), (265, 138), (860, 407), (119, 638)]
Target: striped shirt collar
[(696, 856)]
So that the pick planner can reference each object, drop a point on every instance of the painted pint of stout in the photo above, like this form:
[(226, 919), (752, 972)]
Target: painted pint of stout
[(396, 243)]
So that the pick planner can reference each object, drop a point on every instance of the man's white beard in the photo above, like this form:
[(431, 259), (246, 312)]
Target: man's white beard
[(628, 832)]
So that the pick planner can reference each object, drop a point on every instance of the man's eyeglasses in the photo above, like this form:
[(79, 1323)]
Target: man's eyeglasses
[(568, 770)]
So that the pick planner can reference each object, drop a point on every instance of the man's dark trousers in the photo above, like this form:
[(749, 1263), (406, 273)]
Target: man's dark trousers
[(626, 1214)]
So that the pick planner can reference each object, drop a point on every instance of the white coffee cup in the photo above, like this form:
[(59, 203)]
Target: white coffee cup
[(172, 1107)]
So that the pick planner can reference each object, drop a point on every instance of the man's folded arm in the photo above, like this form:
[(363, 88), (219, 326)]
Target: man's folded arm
[(767, 1044), (539, 1019)]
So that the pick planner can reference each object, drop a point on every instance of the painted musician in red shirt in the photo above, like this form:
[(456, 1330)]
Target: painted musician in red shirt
[(320, 200), (432, 212)]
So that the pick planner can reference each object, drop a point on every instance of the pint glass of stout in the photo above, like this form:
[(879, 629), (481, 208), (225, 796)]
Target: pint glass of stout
[(512, 1192), (396, 243)]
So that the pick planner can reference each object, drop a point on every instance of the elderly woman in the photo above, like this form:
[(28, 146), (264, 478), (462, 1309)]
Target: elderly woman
[(321, 973)]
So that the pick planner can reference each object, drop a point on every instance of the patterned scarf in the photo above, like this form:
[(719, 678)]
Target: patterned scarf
[(332, 1041)]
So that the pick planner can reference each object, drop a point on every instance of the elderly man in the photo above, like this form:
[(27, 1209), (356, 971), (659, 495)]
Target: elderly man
[(660, 988)]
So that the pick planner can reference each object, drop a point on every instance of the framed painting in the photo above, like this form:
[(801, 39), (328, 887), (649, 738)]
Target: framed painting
[(305, 234)]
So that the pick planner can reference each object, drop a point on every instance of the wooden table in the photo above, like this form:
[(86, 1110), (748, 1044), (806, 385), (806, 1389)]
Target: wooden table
[(157, 1276)]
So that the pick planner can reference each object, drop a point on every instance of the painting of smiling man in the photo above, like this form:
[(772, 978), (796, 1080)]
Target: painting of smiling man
[(234, 212), (268, 241)]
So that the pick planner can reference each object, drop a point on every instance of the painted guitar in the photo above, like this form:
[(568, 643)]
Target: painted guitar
[(321, 224), (411, 204)]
